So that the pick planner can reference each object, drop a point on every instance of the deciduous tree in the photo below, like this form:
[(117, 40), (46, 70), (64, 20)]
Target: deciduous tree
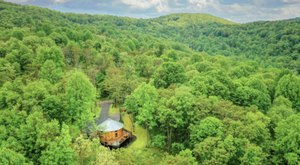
[(79, 98)]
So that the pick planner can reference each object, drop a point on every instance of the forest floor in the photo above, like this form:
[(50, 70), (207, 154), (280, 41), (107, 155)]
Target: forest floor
[(139, 132)]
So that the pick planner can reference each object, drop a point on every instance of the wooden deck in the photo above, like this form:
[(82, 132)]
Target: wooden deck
[(115, 143)]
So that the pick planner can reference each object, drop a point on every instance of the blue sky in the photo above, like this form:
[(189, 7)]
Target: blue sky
[(235, 10)]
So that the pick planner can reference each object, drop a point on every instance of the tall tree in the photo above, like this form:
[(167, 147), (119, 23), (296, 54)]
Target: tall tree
[(79, 98), (36, 134), (289, 87), (143, 104), (179, 110), (59, 151), (169, 73), (35, 93), (90, 152), (53, 53), (8, 156), (287, 142), (169, 120), (49, 71), (7, 71), (280, 110), (183, 158), (215, 150), (208, 127), (253, 155), (118, 84)]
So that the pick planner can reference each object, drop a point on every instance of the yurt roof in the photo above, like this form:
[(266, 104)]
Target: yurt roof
[(109, 125)]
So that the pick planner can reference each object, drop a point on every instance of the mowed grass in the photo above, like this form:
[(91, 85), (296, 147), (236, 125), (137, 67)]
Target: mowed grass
[(113, 110), (139, 132)]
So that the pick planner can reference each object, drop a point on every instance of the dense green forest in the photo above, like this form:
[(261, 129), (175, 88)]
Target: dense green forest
[(207, 90)]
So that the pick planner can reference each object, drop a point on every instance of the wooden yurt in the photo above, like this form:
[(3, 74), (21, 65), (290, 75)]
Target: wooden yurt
[(113, 133)]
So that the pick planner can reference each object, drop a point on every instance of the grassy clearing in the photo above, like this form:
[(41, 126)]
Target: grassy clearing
[(139, 132), (113, 110)]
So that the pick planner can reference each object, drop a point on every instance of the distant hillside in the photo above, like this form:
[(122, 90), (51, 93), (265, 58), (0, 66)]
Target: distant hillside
[(269, 42), (276, 42), (187, 19), (258, 39)]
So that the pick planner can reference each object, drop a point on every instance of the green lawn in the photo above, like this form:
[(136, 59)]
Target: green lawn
[(139, 132), (113, 110)]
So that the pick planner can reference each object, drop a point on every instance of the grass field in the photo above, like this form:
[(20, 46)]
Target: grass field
[(139, 132), (113, 110)]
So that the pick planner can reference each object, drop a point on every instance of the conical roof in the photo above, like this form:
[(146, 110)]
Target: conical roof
[(110, 125)]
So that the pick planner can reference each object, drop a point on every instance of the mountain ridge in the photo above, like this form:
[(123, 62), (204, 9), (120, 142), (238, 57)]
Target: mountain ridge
[(186, 19), (200, 32)]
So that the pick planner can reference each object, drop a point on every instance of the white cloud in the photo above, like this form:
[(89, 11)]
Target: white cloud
[(200, 3), (35, 1), (18, 1), (159, 5), (291, 1), (290, 11), (214, 6), (60, 1), (137, 4), (246, 12)]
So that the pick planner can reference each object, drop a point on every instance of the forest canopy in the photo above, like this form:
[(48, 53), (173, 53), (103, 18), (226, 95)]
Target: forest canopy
[(207, 90)]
